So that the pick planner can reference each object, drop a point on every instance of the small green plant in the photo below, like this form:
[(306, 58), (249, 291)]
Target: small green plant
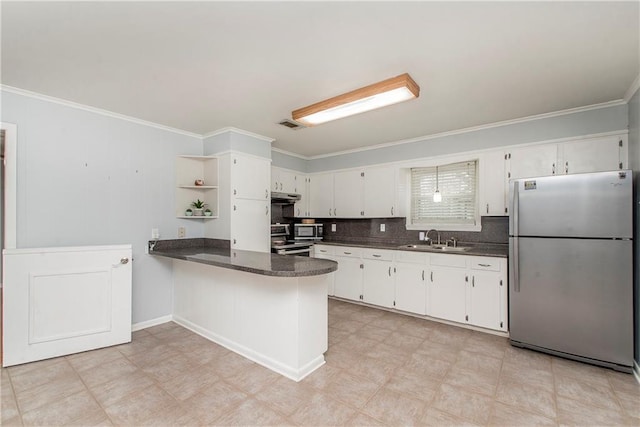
[(189, 210), (207, 210), (198, 204)]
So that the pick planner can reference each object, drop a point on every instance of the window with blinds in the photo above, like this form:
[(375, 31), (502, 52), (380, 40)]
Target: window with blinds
[(457, 185)]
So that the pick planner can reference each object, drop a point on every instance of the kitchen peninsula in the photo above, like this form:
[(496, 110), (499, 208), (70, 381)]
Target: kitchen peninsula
[(269, 308)]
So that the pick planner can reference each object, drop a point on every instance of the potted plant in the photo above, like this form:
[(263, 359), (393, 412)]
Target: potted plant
[(207, 212), (188, 212), (198, 206)]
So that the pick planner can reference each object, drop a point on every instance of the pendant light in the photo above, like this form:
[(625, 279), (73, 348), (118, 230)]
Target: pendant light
[(437, 197)]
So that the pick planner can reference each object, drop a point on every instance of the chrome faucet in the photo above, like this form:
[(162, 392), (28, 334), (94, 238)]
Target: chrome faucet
[(426, 236)]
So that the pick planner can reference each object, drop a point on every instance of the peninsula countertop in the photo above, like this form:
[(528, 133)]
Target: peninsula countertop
[(218, 253)]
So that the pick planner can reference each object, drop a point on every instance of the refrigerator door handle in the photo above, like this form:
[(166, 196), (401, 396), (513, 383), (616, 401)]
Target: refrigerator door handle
[(515, 202), (515, 263), (514, 247)]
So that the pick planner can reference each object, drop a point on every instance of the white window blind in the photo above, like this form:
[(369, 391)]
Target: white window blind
[(457, 184)]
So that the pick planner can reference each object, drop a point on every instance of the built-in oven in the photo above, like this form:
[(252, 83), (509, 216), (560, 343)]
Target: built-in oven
[(307, 232)]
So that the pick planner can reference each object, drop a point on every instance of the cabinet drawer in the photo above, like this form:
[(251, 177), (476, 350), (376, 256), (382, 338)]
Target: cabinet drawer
[(348, 251), (459, 261), (488, 264), (413, 257), (323, 249), (379, 254)]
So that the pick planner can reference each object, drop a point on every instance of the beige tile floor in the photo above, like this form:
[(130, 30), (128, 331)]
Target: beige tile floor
[(382, 369)]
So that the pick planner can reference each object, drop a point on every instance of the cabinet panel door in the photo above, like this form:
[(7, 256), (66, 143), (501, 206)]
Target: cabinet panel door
[(250, 177), (380, 193), (592, 155), (493, 193), (539, 160), (275, 179), (348, 189), (447, 291), (411, 289), (348, 278), (319, 255), (287, 182), (250, 221), (378, 280), (484, 310), (321, 195), (301, 208)]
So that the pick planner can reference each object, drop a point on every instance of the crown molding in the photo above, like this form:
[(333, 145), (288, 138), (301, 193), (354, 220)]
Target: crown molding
[(290, 153), (95, 110), (474, 128), (238, 131), (632, 89)]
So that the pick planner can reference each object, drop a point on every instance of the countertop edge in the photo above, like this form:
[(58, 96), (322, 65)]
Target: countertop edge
[(475, 251)]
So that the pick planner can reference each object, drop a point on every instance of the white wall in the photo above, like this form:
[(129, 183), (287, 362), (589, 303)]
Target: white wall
[(89, 179)]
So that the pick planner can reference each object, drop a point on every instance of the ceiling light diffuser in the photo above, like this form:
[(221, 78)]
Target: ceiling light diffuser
[(387, 92)]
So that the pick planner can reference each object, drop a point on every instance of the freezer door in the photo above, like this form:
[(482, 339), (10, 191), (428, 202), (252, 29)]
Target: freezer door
[(573, 296), (581, 205)]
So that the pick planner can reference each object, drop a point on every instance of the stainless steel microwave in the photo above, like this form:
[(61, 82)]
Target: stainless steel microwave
[(307, 231)]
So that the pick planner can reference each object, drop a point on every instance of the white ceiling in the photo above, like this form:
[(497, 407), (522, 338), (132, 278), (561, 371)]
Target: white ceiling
[(203, 66)]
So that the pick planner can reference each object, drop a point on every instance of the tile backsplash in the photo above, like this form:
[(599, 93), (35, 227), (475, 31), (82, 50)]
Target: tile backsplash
[(494, 230)]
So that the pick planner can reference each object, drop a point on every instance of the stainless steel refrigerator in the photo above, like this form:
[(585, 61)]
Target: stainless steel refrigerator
[(571, 266)]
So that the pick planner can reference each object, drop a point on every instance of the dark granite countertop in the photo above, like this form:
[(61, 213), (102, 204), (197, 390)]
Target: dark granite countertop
[(476, 249), (218, 253)]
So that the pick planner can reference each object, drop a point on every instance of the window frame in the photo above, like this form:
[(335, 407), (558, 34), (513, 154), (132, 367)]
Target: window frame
[(444, 226)]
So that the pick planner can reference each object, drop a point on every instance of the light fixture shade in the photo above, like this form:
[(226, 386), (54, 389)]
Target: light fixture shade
[(437, 196), (387, 92)]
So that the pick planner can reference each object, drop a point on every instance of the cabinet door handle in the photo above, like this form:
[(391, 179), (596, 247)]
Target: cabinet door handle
[(298, 214), (432, 276), (347, 253), (484, 265), (280, 186), (334, 211), (377, 256), (267, 210), (235, 192), (266, 194), (566, 167), (391, 210), (329, 211), (234, 207), (234, 241), (487, 207), (423, 275), (473, 281), (553, 169), (389, 271)]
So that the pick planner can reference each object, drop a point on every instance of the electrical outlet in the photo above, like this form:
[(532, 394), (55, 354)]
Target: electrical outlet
[(182, 231), (421, 235), (333, 228), (382, 228), (155, 233)]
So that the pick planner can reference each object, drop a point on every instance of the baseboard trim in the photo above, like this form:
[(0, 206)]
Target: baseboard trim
[(149, 323)]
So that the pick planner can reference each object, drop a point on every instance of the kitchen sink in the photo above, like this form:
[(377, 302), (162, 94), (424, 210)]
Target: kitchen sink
[(435, 248)]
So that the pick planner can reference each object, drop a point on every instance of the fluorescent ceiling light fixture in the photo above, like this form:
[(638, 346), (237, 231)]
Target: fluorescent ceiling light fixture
[(387, 92)]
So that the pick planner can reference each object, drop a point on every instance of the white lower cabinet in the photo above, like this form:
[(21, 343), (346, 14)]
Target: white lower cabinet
[(488, 293), (411, 285), (458, 288), (447, 293), (326, 252), (348, 276), (378, 278)]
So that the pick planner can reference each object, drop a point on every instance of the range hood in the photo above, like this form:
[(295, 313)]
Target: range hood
[(284, 198)]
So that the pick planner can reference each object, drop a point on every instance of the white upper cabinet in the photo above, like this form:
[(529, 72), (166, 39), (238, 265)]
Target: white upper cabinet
[(250, 221), (535, 160), (321, 195), (380, 192), (284, 181), (301, 208), (348, 194), (493, 193), (593, 155), (250, 177)]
